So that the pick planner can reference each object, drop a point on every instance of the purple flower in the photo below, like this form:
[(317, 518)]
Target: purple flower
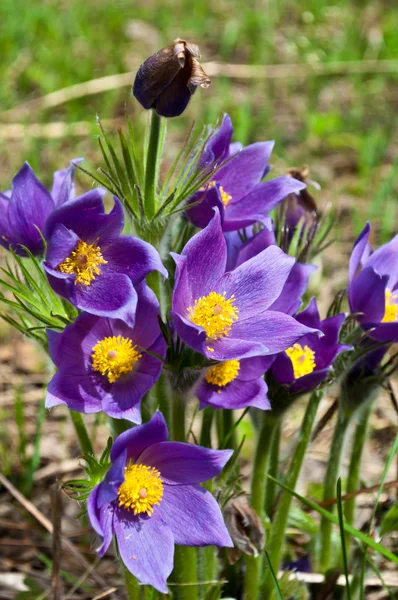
[(102, 363), (235, 384), (151, 499), (373, 287), (236, 189), (226, 315), (238, 252), (25, 208), (308, 362), (90, 263)]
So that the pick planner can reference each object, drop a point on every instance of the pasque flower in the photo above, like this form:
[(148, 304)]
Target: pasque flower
[(103, 364), (25, 208), (236, 189), (226, 316), (90, 263), (235, 384), (151, 499), (238, 252), (167, 80), (308, 362), (373, 287)]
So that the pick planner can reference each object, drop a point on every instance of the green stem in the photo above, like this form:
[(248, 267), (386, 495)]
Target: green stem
[(163, 397), (132, 586), (228, 428), (329, 488), (81, 431), (151, 169), (279, 524), (264, 439), (178, 418), (270, 486), (358, 443), (207, 422)]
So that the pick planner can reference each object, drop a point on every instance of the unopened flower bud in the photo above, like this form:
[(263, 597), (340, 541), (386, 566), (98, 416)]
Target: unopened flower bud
[(167, 79), (245, 528)]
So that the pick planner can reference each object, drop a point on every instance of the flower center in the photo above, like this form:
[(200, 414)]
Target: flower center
[(223, 373), (114, 356), (141, 489), (391, 309), (303, 360), (225, 197), (215, 313), (83, 262)]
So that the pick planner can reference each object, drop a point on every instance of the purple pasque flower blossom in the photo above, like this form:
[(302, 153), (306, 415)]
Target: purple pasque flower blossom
[(308, 362), (226, 316), (238, 252), (25, 208), (103, 364), (151, 499), (235, 384), (90, 263), (373, 287), (236, 189)]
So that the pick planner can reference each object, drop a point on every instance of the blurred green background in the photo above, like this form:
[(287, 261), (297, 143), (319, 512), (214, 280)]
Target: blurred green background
[(343, 125)]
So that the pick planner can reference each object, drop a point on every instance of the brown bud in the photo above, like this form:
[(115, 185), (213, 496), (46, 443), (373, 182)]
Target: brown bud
[(304, 198), (167, 79), (245, 528)]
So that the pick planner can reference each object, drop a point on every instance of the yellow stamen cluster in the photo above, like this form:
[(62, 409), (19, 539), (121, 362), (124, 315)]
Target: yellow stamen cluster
[(225, 197), (223, 373), (83, 262), (215, 313), (141, 489), (114, 356), (391, 309), (303, 360)]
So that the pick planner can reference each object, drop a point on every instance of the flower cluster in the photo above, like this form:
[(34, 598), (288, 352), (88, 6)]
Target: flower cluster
[(235, 315)]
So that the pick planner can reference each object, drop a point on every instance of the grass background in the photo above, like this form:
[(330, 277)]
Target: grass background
[(344, 126)]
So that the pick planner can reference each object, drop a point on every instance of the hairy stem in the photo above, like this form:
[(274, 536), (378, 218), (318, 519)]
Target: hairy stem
[(81, 431), (279, 523), (264, 440), (152, 165)]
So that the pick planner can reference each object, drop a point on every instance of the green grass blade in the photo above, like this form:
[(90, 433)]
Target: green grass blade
[(343, 548), (274, 578), (368, 541)]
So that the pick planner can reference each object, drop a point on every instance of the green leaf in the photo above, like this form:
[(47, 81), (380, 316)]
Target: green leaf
[(390, 521), (368, 541)]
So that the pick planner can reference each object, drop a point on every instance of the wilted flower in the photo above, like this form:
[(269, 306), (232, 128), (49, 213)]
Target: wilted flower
[(167, 80), (90, 263), (226, 316), (245, 528), (300, 205), (308, 362), (102, 363), (373, 291), (235, 384), (150, 499), (238, 252), (236, 189), (25, 208)]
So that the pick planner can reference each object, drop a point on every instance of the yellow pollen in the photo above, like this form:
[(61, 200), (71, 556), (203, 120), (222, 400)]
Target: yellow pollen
[(303, 360), (225, 197), (83, 262), (391, 309), (141, 489), (114, 356), (223, 373), (215, 313)]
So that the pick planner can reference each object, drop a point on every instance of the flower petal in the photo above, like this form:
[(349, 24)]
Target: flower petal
[(194, 516), (201, 214), (79, 392), (146, 546), (245, 170), (124, 397), (367, 295), (108, 489), (63, 188), (275, 330), (358, 251), (101, 520), (235, 395), (133, 257), (258, 282), (29, 207), (110, 296), (60, 246), (296, 284), (180, 463), (259, 202), (136, 439)]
